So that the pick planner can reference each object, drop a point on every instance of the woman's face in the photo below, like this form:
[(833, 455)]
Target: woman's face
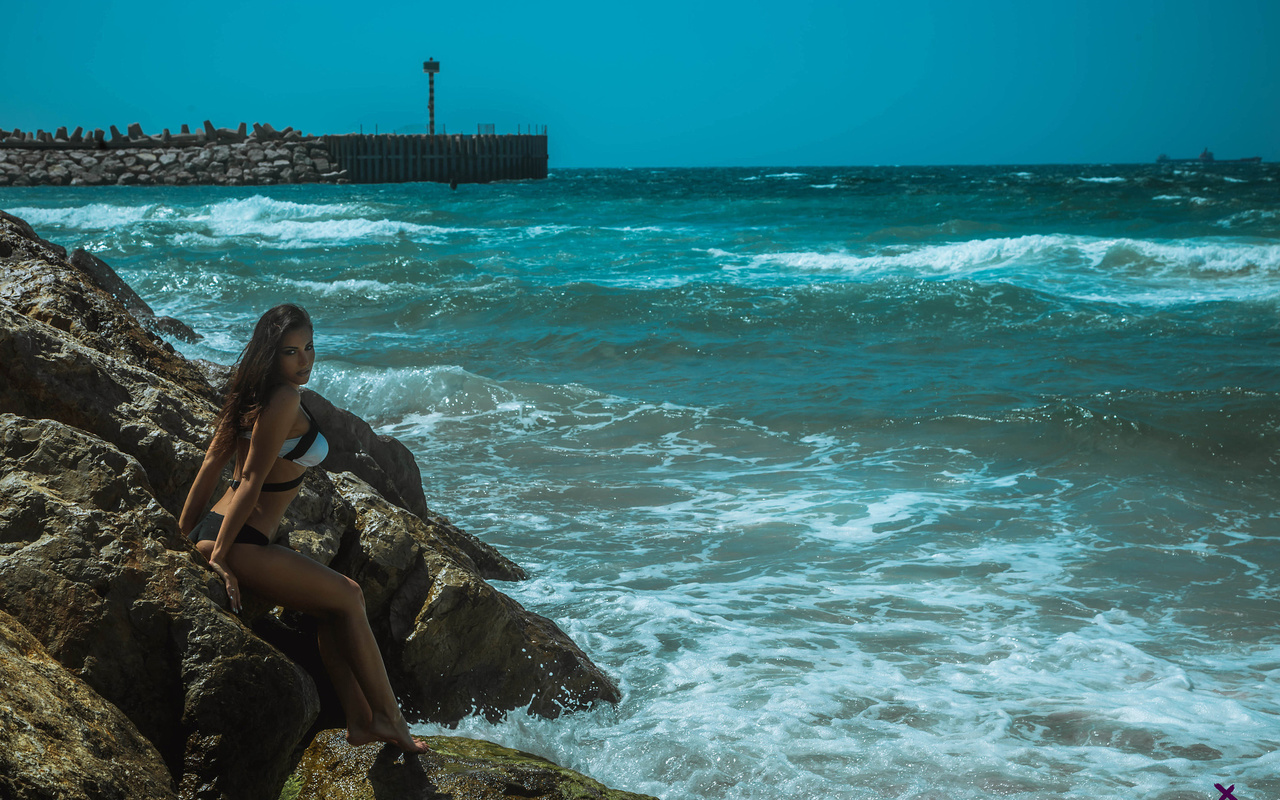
[(295, 356)]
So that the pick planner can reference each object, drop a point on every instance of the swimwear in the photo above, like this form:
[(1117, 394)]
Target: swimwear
[(206, 530), (308, 450)]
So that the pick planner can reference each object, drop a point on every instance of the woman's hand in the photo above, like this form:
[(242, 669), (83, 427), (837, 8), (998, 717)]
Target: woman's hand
[(233, 585)]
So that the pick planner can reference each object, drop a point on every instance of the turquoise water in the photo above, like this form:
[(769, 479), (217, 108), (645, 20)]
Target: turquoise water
[(882, 482)]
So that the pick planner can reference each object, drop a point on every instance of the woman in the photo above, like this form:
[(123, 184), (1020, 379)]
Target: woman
[(273, 439)]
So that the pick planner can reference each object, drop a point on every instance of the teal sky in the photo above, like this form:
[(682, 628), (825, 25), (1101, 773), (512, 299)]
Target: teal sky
[(789, 82)]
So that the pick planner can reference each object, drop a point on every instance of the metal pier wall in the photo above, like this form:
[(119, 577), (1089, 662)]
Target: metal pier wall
[(443, 158)]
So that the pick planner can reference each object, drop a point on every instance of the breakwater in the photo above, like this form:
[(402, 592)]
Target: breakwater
[(443, 158), (263, 156)]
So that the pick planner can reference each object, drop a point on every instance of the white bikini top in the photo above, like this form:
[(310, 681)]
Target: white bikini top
[(309, 449)]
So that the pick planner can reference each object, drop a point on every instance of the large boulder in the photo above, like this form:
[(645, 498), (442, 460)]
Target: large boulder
[(86, 566), (59, 739), (40, 282), (106, 278), (331, 769), (382, 461), (164, 425), (453, 644)]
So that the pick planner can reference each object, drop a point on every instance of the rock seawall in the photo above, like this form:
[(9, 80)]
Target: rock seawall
[(102, 428), (251, 163), (216, 156)]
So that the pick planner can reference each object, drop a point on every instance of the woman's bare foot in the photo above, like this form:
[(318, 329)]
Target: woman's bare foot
[(384, 729)]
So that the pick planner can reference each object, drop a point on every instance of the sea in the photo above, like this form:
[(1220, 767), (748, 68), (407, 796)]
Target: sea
[(866, 482)]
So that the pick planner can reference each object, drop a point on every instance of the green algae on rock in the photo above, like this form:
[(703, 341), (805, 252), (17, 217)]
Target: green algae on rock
[(456, 768)]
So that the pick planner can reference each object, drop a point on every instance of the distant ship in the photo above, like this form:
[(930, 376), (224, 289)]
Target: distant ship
[(1206, 157)]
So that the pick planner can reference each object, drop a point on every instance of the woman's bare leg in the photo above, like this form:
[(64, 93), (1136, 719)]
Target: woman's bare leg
[(295, 581), (354, 704)]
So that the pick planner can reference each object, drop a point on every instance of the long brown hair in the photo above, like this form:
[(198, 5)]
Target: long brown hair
[(255, 375)]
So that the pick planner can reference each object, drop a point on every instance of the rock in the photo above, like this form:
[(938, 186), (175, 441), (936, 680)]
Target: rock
[(161, 423), (380, 460), (168, 325), (456, 767), (106, 278), (452, 643), (95, 569), (59, 738), (40, 282)]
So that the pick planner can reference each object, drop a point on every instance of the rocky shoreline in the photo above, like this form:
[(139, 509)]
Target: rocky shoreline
[(211, 156), (123, 674)]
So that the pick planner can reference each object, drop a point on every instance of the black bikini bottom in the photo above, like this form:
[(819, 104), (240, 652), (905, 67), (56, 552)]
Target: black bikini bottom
[(206, 530)]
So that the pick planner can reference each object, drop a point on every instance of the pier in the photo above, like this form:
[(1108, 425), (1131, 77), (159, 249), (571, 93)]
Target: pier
[(441, 158)]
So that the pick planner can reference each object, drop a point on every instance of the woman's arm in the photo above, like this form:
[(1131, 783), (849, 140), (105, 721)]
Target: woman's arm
[(203, 486)]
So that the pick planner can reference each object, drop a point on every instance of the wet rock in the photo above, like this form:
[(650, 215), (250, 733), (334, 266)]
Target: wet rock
[(107, 279), (162, 424), (96, 570), (452, 643), (381, 461), (386, 464), (456, 767), (59, 738), (39, 282)]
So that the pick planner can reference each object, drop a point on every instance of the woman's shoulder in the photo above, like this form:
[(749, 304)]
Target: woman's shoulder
[(285, 396), (282, 405)]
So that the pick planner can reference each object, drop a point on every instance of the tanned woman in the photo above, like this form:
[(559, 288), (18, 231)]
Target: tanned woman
[(264, 427)]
